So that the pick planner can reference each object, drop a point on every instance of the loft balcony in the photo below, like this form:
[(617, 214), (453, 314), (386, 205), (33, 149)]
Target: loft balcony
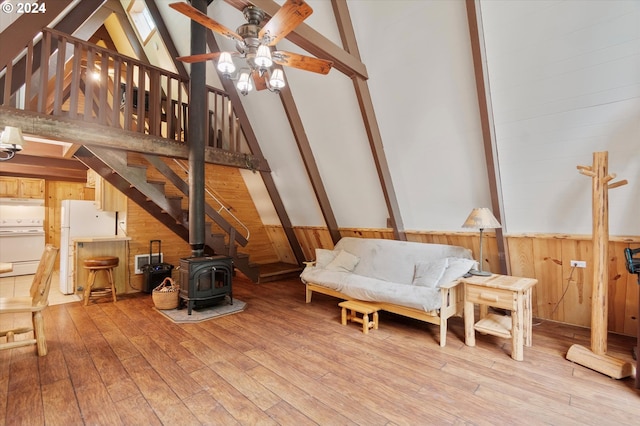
[(62, 76)]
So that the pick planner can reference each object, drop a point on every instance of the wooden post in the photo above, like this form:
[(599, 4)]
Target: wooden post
[(597, 358)]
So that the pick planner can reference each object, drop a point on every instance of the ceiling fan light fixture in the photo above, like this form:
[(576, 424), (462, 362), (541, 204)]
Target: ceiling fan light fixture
[(277, 79), (244, 84), (225, 64), (263, 57)]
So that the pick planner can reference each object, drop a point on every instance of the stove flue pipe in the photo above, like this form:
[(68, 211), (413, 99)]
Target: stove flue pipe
[(196, 131)]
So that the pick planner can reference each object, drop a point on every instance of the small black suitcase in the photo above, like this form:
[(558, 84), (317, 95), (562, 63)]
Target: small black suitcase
[(155, 271)]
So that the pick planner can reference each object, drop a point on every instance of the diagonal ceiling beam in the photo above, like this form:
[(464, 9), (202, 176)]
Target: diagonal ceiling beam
[(369, 118), (476, 35), (254, 147), (295, 121), (17, 35), (312, 41)]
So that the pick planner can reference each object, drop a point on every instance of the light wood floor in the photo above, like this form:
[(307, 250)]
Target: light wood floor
[(286, 362)]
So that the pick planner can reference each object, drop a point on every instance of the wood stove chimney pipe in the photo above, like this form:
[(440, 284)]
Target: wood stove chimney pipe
[(196, 131)]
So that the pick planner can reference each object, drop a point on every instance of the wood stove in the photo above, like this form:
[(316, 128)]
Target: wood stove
[(205, 281)]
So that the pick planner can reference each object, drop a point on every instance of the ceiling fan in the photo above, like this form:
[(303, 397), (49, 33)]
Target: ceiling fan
[(255, 43)]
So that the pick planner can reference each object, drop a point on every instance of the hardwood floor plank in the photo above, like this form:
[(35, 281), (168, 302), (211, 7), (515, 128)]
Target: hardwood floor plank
[(239, 406), (313, 408), (25, 403), (207, 410), (60, 407), (245, 384), (135, 410), (176, 378), (284, 414)]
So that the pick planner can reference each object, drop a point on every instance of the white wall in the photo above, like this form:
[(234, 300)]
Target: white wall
[(565, 82), (418, 56)]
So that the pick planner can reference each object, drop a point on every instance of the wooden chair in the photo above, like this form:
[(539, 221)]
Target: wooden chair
[(34, 304)]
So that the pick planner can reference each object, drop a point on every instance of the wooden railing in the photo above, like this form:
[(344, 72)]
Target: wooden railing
[(64, 76)]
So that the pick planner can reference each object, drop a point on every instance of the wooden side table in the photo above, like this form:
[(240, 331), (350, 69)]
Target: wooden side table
[(499, 291)]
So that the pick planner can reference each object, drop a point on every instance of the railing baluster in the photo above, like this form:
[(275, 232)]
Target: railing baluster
[(117, 97), (7, 84), (88, 87), (128, 97), (103, 87), (58, 90), (44, 70), (75, 80), (28, 75)]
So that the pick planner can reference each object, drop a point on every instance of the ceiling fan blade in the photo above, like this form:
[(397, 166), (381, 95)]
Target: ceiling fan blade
[(204, 20), (259, 81), (289, 16), (307, 63), (199, 58)]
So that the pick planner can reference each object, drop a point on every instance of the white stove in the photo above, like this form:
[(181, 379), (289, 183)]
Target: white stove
[(21, 244)]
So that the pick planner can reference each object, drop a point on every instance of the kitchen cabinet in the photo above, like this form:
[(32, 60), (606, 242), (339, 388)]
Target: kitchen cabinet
[(107, 196), (14, 187)]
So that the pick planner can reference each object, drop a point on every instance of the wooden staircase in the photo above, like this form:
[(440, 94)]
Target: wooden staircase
[(132, 181)]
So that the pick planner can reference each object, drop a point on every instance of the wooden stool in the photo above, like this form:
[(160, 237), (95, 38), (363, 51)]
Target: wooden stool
[(94, 265), (358, 307)]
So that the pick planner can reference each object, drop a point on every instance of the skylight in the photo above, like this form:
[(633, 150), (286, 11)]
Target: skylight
[(142, 20)]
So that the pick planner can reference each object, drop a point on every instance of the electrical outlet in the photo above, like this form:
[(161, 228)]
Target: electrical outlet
[(578, 263)]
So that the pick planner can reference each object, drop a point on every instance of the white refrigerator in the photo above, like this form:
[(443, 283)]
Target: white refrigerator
[(80, 218)]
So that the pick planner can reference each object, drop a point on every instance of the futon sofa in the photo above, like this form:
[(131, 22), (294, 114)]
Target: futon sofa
[(413, 279)]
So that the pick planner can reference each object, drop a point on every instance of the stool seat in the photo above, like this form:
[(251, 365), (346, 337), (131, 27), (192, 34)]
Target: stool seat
[(101, 262), (94, 265)]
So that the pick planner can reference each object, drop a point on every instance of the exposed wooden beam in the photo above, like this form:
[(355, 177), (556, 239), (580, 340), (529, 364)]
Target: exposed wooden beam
[(254, 147), (45, 168), (309, 162), (476, 35), (68, 25), (347, 34), (312, 41), (15, 37), (82, 133)]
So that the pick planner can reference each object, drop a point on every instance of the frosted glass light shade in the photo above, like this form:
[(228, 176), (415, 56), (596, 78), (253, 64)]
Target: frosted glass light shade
[(263, 57), (244, 84), (277, 79), (225, 64)]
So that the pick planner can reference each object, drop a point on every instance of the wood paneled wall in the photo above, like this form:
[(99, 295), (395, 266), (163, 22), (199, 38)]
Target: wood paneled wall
[(563, 293), (227, 185)]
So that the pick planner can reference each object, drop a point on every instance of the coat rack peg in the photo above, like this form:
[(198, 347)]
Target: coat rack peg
[(617, 184), (586, 170)]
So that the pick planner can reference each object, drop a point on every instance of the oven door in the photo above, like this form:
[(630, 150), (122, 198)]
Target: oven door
[(22, 249)]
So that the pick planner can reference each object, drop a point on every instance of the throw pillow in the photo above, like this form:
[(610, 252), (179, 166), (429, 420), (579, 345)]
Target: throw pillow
[(427, 274), (344, 262), (456, 268), (324, 257)]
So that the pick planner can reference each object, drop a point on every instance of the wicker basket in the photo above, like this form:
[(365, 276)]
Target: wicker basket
[(165, 296)]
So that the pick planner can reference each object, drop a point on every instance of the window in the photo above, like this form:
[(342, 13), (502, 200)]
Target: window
[(142, 20)]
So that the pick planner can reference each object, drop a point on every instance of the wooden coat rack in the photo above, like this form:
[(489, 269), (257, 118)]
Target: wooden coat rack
[(596, 358)]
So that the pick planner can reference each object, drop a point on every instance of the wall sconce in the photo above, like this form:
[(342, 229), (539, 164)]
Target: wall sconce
[(11, 142)]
